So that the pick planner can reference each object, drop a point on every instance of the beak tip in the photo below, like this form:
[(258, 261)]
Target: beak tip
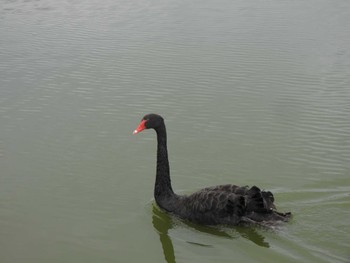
[(140, 128)]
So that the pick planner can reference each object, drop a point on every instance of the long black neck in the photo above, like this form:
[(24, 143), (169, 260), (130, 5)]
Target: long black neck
[(163, 192)]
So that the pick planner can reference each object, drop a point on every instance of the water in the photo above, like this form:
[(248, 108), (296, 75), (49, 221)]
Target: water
[(253, 92)]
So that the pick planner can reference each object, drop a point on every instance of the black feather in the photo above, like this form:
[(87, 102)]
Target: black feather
[(222, 204)]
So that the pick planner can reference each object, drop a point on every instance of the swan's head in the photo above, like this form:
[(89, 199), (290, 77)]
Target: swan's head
[(149, 121)]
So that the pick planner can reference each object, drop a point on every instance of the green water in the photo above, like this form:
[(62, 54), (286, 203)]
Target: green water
[(253, 93)]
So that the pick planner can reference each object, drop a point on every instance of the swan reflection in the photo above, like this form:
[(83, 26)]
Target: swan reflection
[(163, 222)]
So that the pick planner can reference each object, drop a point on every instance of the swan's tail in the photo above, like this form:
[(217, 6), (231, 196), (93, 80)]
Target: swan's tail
[(260, 206), (259, 201)]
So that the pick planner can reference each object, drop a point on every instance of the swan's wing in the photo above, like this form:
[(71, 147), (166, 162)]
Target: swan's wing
[(228, 188), (228, 204), (213, 207), (256, 199)]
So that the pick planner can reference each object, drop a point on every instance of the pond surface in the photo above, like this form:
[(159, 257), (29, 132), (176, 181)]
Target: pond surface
[(253, 93)]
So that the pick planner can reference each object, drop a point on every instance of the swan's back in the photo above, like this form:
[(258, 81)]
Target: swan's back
[(228, 204)]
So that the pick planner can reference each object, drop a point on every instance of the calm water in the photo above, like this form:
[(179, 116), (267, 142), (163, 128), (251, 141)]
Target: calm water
[(253, 92)]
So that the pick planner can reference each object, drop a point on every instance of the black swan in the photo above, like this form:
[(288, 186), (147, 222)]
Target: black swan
[(223, 204)]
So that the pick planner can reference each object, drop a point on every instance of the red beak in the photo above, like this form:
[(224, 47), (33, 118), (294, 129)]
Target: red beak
[(141, 127)]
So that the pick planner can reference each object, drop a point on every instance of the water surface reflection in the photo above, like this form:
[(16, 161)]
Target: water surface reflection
[(162, 223)]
